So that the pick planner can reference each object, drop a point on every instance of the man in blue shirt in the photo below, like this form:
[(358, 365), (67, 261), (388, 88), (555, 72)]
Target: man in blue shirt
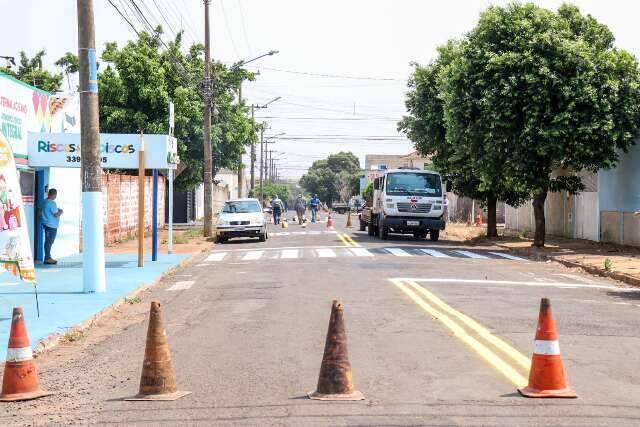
[(50, 218), (314, 203)]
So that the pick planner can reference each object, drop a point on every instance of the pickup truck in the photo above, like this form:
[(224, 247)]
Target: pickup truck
[(405, 201)]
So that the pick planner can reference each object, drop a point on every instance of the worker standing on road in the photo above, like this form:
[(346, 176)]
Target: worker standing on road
[(445, 208), (301, 207), (277, 207), (314, 204)]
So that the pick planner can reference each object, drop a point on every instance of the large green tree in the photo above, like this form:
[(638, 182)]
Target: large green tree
[(334, 178), (31, 71), (459, 157), (541, 92), (140, 79)]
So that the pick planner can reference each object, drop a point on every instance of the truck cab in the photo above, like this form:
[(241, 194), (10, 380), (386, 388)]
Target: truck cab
[(406, 201)]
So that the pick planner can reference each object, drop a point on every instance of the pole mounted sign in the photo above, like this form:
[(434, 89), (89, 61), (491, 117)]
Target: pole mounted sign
[(117, 151)]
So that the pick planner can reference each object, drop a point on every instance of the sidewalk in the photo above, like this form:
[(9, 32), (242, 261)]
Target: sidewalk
[(63, 305), (602, 259)]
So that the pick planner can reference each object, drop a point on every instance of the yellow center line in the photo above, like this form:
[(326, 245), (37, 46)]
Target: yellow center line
[(493, 359), (344, 241), (508, 350), (350, 239)]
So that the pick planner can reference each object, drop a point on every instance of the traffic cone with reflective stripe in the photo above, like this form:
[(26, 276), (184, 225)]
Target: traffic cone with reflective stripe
[(329, 221), (20, 380), (546, 378), (335, 381), (158, 379)]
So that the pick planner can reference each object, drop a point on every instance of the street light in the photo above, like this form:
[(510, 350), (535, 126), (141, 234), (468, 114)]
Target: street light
[(245, 62), (10, 60)]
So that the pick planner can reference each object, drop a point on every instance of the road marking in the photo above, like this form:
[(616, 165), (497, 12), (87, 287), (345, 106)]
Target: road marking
[(514, 354), (326, 253), (472, 255), (458, 331), (314, 232), (278, 248), (350, 239), (435, 253), (343, 240), (575, 277), (214, 257), (513, 282), (252, 255), (331, 232), (507, 256), (360, 252), (182, 285), (397, 252), (289, 254)]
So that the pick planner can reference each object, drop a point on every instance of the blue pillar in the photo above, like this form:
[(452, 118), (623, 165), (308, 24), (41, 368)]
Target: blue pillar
[(154, 227)]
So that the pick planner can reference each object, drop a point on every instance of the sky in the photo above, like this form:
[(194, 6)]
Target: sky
[(342, 66)]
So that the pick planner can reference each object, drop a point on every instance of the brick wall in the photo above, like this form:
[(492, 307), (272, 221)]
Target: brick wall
[(121, 210)]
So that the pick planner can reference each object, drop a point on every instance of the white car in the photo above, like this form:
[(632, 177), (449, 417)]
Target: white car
[(241, 218)]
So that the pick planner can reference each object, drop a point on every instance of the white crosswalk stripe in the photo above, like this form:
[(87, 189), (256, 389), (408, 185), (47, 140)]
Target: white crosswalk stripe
[(434, 253), (507, 256), (397, 252), (289, 254), (472, 255), (181, 286), (215, 257), (360, 252), (252, 255), (325, 253)]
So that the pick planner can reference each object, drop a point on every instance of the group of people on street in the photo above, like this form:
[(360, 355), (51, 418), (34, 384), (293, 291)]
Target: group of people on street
[(300, 206)]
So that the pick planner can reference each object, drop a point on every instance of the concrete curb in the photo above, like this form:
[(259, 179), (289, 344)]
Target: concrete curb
[(596, 271), (49, 342)]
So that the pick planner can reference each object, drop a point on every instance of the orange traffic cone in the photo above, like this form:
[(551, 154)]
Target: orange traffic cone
[(158, 379), (20, 381), (546, 378), (335, 380)]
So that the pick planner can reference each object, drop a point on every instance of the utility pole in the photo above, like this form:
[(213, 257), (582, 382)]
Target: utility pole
[(240, 172), (93, 262), (206, 91), (262, 162), (253, 153)]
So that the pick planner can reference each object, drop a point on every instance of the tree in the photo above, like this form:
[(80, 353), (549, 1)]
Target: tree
[(541, 92), (139, 81), (335, 178), (283, 191), (70, 64), (31, 71), (457, 154)]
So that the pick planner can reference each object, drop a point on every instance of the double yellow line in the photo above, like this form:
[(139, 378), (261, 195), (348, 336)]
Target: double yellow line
[(507, 360), (347, 240)]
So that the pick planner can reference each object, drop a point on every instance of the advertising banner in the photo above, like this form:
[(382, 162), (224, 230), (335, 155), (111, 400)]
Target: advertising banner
[(117, 151), (22, 109), (15, 248)]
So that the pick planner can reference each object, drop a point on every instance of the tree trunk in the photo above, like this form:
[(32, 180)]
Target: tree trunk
[(538, 212), (492, 226)]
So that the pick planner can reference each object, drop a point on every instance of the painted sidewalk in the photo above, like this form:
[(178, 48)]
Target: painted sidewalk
[(62, 303)]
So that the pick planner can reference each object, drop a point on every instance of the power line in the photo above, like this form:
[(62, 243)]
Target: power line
[(333, 76), (349, 119), (226, 24), (244, 28)]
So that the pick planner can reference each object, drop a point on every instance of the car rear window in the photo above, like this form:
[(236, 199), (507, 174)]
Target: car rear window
[(241, 207)]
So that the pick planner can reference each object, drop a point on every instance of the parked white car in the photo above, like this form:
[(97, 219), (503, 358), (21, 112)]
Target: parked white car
[(241, 218)]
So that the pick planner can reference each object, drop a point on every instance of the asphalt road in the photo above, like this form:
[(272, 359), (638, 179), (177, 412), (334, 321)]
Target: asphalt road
[(247, 322)]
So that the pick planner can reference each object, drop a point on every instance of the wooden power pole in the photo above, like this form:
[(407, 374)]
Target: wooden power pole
[(206, 91)]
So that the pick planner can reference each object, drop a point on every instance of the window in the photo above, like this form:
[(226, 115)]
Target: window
[(414, 184), (248, 206)]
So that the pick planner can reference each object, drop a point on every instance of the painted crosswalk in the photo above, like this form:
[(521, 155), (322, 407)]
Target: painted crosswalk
[(301, 233), (332, 252)]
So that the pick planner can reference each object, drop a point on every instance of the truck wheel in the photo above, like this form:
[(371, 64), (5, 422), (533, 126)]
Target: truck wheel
[(434, 235), (362, 225), (262, 237), (383, 232), (371, 231)]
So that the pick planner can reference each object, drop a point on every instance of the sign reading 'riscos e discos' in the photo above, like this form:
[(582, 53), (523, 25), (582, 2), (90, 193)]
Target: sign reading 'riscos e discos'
[(117, 151)]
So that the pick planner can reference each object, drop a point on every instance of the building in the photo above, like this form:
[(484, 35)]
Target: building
[(603, 212)]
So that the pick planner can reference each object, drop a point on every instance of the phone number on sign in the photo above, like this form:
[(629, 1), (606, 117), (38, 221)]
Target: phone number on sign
[(77, 159)]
